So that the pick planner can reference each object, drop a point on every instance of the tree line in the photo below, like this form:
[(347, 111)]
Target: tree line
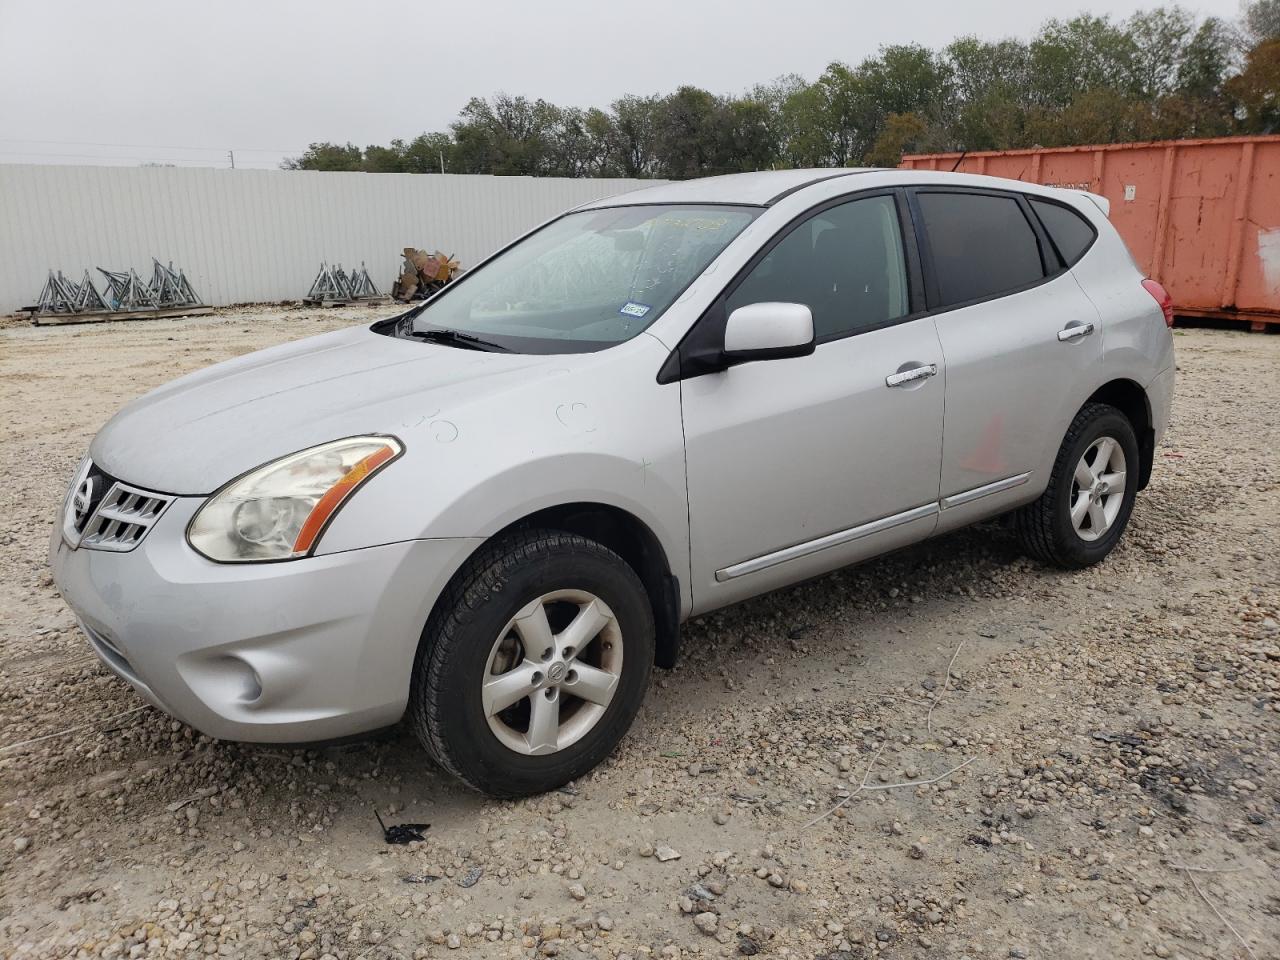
[(1160, 74)]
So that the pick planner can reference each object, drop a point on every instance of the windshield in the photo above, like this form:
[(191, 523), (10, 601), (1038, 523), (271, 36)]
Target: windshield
[(586, 281)]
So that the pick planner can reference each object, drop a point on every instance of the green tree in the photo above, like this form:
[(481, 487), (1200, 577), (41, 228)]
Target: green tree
[(753, 136), (1162, 73), (632, 138), (1159, 41), (773, 97), (905, 79), (505, 135), (1262, 20), (989, 82), (384, 159), (1075, 56), (1206, 60), (846, 114), (1256, 90), (690, 134), (326, 156), (429, 153), (809, 139), (901, 133), (576, 143)]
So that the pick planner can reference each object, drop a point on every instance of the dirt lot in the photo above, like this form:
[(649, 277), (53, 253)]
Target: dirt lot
[(1110, 728)]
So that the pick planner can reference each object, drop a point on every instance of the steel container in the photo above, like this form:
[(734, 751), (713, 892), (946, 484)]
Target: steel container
[(1200, 216)]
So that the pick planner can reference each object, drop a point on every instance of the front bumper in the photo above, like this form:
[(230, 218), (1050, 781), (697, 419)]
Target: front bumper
[(297, 651)]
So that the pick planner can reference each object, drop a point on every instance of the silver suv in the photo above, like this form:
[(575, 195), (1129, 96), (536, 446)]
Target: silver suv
[(491, 514)]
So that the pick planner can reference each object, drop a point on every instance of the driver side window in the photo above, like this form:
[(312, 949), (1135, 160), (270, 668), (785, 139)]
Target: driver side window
[(844, 263)]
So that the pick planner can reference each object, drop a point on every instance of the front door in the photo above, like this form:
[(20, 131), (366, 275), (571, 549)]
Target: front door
[(802, 465)]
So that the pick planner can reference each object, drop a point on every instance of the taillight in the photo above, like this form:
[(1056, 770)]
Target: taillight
[(1162, 297)]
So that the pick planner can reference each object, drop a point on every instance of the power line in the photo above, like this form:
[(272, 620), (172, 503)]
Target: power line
[(117, 161), (154, 146)]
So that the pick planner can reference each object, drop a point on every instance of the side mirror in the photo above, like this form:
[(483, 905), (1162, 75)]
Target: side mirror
[(768, 331)]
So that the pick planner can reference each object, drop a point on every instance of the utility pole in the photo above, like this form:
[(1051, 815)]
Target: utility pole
[(442, 161), (231, 155)]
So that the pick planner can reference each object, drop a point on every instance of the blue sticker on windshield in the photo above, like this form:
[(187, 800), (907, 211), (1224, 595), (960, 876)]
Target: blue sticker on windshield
[(634, 309)]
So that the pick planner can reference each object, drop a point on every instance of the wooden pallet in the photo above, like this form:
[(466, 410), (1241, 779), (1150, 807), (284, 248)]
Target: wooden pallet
[(59, 319)]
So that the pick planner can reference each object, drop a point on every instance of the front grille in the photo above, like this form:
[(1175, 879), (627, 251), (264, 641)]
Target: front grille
[(103, 513)]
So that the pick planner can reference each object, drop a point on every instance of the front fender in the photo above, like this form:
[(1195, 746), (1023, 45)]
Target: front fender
[(605, 432)]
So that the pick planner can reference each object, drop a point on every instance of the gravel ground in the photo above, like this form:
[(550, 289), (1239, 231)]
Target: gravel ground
[(1099, 763)]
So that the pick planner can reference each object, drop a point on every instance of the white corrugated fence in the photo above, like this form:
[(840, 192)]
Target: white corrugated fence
[(258, 235)]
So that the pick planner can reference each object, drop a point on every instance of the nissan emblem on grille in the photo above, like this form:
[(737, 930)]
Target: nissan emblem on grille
[(104, 513), (82, 501)]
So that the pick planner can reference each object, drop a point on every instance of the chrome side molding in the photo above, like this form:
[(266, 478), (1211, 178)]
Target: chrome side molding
[(977, 493), (825, 543), (867, 529)]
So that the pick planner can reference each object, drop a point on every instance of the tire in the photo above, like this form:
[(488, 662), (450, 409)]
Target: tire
[(474, 636), (1046, 529)]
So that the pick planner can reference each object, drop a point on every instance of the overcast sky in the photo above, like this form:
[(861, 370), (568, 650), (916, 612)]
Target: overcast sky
[(187, 80)]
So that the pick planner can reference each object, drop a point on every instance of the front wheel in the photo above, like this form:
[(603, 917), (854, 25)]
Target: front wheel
[(534, 663), (1079, 518)]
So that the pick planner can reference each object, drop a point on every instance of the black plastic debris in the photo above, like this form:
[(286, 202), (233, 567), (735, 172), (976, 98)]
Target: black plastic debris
[(402, 832), (471, 877)]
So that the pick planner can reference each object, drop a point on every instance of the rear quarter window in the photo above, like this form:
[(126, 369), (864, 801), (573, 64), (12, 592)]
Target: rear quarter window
[(1071, 233), (982, 245)]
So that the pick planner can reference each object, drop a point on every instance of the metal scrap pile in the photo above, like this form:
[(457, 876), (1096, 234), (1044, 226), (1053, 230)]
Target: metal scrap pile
[(334, 286), (423, 274), (126, 292)]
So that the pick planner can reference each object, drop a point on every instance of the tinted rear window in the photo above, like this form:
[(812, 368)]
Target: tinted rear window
[(982, 245), (1069, 231)]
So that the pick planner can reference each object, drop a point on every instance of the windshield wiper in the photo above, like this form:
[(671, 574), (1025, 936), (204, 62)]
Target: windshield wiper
[(456, 338)]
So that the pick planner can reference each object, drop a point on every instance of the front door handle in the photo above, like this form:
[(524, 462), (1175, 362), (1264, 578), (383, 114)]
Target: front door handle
[(1075, 331), (904, 377)]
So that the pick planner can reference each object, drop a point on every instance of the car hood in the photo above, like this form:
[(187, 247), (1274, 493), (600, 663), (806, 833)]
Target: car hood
[(191, 436)]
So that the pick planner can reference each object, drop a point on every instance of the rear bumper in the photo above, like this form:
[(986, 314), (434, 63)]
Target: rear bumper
[(285, 652), (1160, 395)]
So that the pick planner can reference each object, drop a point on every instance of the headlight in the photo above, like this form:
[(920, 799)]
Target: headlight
[(279, 511)]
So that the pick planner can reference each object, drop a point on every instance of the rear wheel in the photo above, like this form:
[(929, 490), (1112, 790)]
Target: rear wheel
[(534, 664), (1081, 515)]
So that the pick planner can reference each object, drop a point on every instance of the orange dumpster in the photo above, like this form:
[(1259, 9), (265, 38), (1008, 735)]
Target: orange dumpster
[(1200, 216)]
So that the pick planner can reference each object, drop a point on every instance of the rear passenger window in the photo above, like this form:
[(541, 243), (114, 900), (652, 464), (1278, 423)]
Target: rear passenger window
[(982, 245), (1069, 231)]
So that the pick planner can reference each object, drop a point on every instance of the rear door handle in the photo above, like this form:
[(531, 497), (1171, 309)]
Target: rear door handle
[(1075, 331), (904, 377)]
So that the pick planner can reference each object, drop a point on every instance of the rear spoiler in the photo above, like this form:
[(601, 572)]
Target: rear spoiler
[(1101, 202)]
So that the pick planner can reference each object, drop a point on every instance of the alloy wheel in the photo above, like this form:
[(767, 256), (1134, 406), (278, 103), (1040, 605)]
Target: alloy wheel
[(552, 672), (1097, 488)]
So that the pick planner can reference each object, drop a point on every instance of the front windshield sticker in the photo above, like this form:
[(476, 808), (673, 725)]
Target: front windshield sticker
[(634, 309)]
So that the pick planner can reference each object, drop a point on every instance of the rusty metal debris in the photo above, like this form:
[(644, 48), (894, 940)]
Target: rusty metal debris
[(423, 274)]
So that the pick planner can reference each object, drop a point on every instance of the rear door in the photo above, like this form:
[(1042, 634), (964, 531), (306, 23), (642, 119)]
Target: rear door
[(1019, 337)]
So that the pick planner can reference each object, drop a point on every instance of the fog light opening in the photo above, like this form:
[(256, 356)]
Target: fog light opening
[(251, 683)]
